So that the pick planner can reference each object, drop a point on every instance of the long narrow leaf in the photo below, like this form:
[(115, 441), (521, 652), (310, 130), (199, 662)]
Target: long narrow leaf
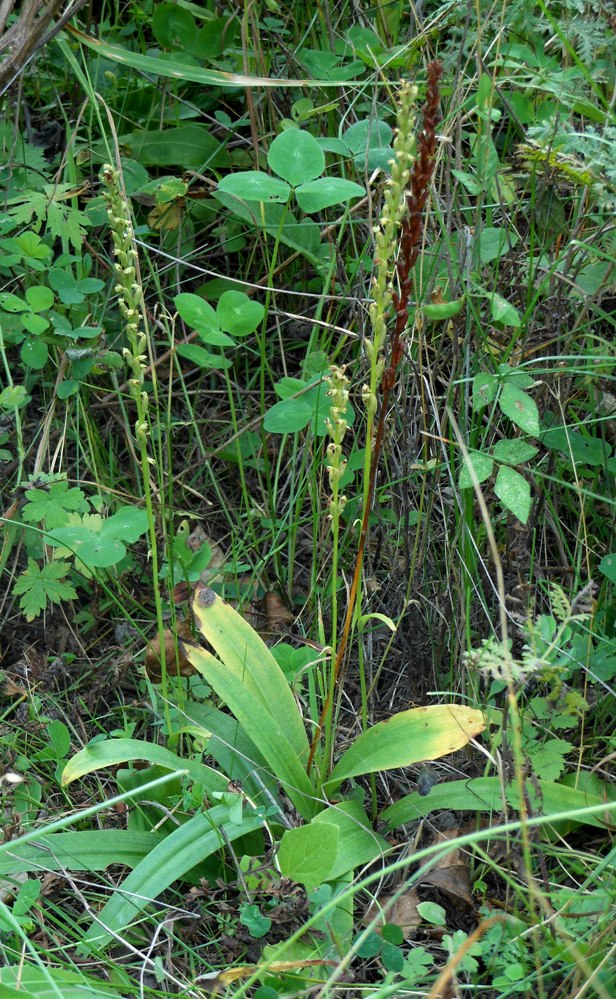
[(229, 745), (183, 849), (264, 729), (484, 794), (23, 981), (92, 850), (247, 656), (110, 752), (408, 737), (178, 70)]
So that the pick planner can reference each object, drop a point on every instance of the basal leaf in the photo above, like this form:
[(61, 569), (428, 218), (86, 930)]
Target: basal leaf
[(181, 850), (110, 752), (485, 794), (408, 737)]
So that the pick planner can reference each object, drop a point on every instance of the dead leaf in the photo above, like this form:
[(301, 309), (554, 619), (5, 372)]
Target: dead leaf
[(402, 912), (171, 642), (277, 614), (215, 981)]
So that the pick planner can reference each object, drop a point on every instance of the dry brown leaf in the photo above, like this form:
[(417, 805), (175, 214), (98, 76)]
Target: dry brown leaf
[(402, 912), (277, 614), (171, 642)]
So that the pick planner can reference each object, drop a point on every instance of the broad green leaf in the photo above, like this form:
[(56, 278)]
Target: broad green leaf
[(607, 566), (583, 450), (39, 297), (12, 303), (504, 312), (169, 861), (93, 850), (34, 354), (201, 357), (196, 312), (110, 752), (129, 523), (182, 71), (484, 390), (520, 408), (254, 185), (408, 737), (514, 452), (517, 376), (484, 794), (494, 243), (191, 146), (34, 324), (268, 731), (482, 466), (513, 491), (216, 338), (368, 134), (23, 980), (325, 192), (307, 853), (174, 27), (296, 156), (340, 838), (288, 416), (238, 314), (94, 549)]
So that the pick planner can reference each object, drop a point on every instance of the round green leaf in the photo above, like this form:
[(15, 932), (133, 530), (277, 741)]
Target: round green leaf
[(432, 913), (482, 466), (94, 550), (127, 524), (67, 388), (368, 134), (34, 353), (34, 324), (513, 491), (11, 303), (39, 297), (216, 338), (254, 185), (238, 314), (197, 313), (296, 157), (325, 192), (173, 27), (287, 417), (607, 566)]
